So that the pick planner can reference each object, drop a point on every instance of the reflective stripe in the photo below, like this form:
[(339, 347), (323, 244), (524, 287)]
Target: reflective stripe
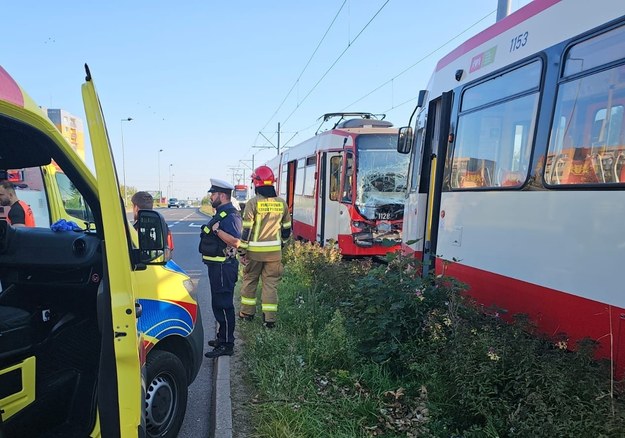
[(243, 245), (247, 224), (265, 248), (214, 258), (248, 301), (286, 225), (268, 243), (270, 307)]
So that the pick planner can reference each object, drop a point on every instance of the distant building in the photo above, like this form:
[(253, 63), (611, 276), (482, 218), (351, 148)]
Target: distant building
[(71, 128)]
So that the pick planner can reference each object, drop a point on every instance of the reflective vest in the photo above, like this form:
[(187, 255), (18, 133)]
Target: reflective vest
[(211, 246), (29, 218), (265, 222)]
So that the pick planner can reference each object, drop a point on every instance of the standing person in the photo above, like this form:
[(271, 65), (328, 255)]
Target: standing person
[(145, 201), (141, 201), (20, 214), (266, 225), (219, 240)]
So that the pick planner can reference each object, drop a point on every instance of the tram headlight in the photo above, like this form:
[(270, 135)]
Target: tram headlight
[(360, 225)]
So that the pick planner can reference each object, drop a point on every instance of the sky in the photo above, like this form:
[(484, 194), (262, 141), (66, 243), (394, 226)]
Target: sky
[(208, 82)]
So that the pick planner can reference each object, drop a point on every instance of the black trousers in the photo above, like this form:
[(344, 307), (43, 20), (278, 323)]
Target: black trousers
[(223, 277)]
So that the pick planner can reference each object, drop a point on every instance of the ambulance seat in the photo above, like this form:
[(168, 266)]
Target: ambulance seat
[(15, 330)]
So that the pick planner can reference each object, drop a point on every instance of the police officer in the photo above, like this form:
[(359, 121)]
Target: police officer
[(266, 225), (219, 240)]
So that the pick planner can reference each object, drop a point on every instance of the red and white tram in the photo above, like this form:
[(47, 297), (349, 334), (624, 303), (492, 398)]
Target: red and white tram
[(517, 174), (346, 184)]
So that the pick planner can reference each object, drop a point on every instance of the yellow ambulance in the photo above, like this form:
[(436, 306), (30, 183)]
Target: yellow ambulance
[(100, 331)]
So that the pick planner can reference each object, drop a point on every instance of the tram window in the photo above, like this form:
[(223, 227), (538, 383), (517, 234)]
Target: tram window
[(299, 178), (512, 83), (587, 144), (495, 129), (335, 177), (493, 145), (309, 181), (347, 181), (283, 179), (594, 52)]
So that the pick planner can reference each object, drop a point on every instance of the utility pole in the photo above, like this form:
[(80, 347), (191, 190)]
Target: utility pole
[(276, 146)]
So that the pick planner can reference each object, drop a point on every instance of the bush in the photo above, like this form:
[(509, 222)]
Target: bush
[(377, 350)]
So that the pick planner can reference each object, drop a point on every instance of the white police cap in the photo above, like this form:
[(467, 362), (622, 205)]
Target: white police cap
[(219, 185)]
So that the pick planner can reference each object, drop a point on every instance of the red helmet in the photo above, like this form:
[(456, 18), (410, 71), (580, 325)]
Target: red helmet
[(263, 176)]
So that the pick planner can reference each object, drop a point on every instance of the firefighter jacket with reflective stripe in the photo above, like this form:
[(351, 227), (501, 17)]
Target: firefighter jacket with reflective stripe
[(211, 246), (266, 224)]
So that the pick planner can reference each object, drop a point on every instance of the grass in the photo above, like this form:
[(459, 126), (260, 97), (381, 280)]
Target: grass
[(331, 368)]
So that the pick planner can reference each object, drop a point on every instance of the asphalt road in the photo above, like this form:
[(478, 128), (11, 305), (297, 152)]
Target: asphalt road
[(184, 224)]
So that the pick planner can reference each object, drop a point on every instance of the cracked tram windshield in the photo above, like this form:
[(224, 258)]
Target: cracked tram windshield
[(382, 175)]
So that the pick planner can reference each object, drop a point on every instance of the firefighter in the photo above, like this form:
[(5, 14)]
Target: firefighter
[(266, 225), (219, 240)]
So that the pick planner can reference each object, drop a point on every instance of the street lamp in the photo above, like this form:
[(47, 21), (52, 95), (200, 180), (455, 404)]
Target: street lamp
[(169, 188), (121, 128), (160, 195)]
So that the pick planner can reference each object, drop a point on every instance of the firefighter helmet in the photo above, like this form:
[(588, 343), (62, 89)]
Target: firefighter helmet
[(263, 176)]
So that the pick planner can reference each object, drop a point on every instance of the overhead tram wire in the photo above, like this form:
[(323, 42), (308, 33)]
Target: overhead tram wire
[(330, 68), (404, 71), (305, 67), (420, 61), (385, 83), (336, 61)]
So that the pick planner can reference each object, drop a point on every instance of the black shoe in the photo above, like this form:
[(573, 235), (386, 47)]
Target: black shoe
[(222, 350), (214, 343), (269, 324), (246, 317)]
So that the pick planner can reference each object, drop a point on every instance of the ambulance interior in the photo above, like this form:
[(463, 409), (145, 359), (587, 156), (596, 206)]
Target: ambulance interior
[(51, 287)]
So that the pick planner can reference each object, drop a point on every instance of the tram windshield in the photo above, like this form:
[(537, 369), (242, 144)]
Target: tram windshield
[(381, 177)]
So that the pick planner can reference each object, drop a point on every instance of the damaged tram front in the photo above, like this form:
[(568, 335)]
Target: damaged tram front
[(347, 185)]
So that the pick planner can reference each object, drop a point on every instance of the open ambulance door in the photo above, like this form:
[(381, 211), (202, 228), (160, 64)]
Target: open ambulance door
[(120, 402)]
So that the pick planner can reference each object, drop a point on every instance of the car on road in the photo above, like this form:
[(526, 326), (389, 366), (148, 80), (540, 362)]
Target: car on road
[(173, 202)]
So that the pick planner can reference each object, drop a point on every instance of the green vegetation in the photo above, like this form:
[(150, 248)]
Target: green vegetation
[(374, 350)]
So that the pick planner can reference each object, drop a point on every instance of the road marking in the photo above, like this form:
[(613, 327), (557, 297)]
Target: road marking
[(192, 225), (178, 221)]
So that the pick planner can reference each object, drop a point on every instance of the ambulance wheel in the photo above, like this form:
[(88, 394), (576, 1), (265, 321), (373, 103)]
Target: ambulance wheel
[(165, 394)]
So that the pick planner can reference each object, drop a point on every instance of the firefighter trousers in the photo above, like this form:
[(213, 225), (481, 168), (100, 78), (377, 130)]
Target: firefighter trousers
[(269, 273)]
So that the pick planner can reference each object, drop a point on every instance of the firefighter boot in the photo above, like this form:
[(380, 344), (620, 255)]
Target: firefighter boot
[(246, 317), (268, 324)]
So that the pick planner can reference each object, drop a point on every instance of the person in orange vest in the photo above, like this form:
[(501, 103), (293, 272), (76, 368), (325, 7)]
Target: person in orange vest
[(20, 214), (266, 225)]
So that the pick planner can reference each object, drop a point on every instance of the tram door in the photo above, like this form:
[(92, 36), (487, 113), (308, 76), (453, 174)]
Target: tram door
[(328, 206)]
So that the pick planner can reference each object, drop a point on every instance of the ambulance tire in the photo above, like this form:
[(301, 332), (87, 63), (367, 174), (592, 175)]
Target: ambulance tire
[(165, 395)]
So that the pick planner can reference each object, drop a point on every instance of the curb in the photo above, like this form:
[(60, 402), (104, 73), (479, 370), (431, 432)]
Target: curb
[(222, 403)]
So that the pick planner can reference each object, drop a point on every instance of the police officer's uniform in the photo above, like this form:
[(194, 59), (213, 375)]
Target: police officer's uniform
[(222, 267)]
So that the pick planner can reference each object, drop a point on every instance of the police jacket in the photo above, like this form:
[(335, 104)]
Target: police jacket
[(211, 246), (266, 223)]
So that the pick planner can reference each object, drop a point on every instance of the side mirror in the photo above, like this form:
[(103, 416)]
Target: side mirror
[(152, 230), (405, 138)]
